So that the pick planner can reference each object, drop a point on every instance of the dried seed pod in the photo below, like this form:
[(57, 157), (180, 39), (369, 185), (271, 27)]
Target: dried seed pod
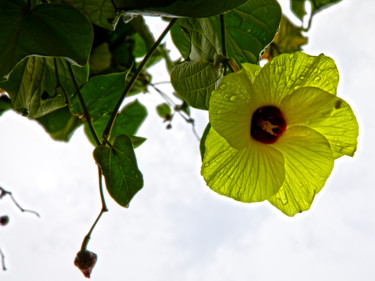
[(85, 261)]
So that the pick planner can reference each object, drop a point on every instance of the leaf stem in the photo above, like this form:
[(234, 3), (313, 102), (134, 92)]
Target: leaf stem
[(108, 128), (104, 209), (86, 113)]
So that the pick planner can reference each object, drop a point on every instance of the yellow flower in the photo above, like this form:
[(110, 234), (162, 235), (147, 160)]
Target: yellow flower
[(275, 132)]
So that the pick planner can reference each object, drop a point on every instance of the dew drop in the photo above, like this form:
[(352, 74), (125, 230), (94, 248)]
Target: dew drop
[(233, 98), (295, 87), (282, 197)]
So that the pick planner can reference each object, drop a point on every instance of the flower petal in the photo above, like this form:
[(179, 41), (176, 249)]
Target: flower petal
[(249, 175), (325, 113), (288, 72), (308, 163), (232, 105)]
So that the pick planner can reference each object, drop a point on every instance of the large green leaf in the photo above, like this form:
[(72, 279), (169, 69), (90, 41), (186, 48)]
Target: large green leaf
[(60, 124), (127, 123), (119, 166), (250, 28), (179, 8), (194, 81), (100, 12), (34, 89), (298, 6), (196, 77), (46, 30), (100, 94)]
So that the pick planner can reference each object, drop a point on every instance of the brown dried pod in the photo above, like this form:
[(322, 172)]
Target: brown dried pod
[(85, 261)]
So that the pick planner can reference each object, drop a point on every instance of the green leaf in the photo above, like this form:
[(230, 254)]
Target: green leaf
[(194, 81), (34, 89), (45, 30), (100, 94), (250, 28), (100, 58), (179, 8), (100, 12), (60, 124), (195, 78), (180, 39), (298, 6), (202, 144), (251, 174), (289, 39), (119, 166), (5, 103), (164, 111), (308, 164), (127, 123)]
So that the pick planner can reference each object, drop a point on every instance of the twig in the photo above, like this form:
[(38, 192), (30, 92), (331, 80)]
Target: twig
[(3, 260), (4, 192), (108, 128), (172, 104)]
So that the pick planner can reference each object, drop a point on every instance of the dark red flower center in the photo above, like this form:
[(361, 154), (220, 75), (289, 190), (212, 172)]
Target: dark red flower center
[(267, 124)]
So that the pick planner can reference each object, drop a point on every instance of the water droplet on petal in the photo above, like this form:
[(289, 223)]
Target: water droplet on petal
[(317, 79), (233, 98)]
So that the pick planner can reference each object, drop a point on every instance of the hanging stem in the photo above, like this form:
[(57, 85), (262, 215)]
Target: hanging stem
[(102, 211), (83, 105), (108, 128)]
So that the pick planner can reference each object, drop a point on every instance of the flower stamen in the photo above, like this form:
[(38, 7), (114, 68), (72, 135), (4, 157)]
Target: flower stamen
[(267, 124)]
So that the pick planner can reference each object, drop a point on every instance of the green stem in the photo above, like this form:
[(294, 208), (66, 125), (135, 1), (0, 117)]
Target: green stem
[(223, 44), (222, 25), (108, 128), (102, 211), (83, 105), (114, 5)]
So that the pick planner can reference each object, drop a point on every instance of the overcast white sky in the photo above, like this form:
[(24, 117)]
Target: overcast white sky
[(176, 228)]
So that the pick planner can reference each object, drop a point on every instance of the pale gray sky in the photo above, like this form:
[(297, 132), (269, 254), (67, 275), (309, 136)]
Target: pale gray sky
[(178, 229)]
